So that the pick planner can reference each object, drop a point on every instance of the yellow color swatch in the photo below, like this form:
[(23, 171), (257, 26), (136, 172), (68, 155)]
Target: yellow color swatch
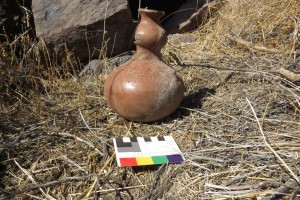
[(144, 161)]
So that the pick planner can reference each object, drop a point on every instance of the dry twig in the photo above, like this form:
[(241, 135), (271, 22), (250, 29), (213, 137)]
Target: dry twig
[(79, 139), (269, 146), (251, 45), (32, 179)]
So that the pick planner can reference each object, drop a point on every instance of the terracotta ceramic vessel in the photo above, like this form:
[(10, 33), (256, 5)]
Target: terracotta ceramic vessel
[(145, 88)]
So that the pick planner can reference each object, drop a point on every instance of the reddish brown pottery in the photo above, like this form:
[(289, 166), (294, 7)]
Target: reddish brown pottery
[(145, 88)]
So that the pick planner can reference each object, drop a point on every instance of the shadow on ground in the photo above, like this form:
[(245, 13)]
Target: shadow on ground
[(191, 101)]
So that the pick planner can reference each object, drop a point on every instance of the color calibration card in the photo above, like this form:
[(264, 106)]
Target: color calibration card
[(139, 151)]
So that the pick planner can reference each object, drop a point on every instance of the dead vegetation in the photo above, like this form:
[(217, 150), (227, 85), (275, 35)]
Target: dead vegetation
[(238, 125)]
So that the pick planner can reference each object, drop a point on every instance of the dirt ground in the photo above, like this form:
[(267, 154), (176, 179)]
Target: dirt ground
[(238, 125)]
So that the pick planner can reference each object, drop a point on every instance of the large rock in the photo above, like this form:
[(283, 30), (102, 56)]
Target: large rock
[(88, 28)]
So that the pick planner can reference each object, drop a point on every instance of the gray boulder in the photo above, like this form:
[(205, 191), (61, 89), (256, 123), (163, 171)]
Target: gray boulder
[(87, 28)]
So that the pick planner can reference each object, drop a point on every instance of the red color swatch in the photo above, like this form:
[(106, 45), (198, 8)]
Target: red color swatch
[(128, 162)]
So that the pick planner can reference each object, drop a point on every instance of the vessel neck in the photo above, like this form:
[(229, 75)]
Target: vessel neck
[(151, 14), (143, 53)]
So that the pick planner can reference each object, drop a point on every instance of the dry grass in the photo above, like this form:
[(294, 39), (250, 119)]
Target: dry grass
[(56, 133)]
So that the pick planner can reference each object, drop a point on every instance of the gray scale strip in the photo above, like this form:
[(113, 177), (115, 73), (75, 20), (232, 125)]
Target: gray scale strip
[(132, 146)]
